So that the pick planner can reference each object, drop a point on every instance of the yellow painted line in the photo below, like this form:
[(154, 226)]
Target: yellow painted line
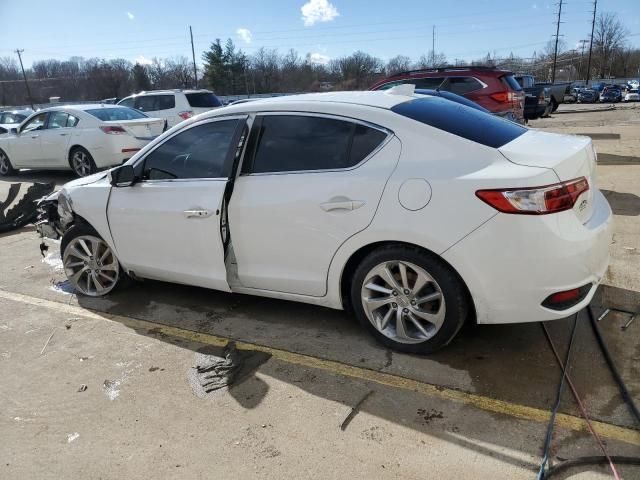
[(481, 402)]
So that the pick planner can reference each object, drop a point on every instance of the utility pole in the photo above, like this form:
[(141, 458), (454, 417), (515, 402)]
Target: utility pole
[(582, 45), (24, 75), (555, 53), (593, 26), (193, 56), (433, 47)]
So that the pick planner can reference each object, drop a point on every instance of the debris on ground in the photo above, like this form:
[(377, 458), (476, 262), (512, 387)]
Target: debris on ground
[(47, 342), (217, 369), (20, 207), (354, 411), (82, 388), (111, 389), (72, 436)]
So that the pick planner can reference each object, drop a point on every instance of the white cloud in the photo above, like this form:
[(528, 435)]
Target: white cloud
[(319, 58), (130, 15), (318, 11), (142, 60), (244, 34)]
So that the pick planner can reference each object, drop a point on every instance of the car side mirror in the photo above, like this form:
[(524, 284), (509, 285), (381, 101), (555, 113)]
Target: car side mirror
[(14, 131), (123, 176)]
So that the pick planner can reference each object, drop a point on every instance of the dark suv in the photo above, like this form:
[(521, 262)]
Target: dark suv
[(494, 89)]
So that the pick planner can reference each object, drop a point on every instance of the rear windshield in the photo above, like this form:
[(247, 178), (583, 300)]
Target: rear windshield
[(512, 82), (203, 100), (115, 114), (461, 120)]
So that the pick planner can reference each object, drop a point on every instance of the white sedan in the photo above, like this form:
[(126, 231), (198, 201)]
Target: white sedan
[(84, 138), (415, 212)]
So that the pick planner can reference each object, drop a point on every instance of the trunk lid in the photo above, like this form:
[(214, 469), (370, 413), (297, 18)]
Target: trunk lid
[(142, 128), (569, 156)]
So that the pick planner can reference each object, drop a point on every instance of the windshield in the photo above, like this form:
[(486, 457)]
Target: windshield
[(203, 100), (115, 114)]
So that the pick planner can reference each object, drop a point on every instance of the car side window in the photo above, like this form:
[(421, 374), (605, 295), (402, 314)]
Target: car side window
[(198, 152), (289, 143), (72, 121), (461, 85), (152, 103), (58, 120), (36, 123), (127, 102)]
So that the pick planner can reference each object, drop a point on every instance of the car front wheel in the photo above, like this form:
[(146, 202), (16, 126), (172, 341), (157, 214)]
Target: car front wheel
[(409, 299), (5, 165), (89, 263)]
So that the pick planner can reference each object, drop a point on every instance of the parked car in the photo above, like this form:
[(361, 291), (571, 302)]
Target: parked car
[(587, 96), (537, 98), (494, 89), (84, 138), (611, 95), (414, 211), (110, 101), (557, 92), (632, 96), (11, 118), (173, 105)]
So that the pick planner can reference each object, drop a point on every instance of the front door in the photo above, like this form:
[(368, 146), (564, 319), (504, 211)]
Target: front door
[(54, 139), (167, 226), (311, 182), (26, 149)]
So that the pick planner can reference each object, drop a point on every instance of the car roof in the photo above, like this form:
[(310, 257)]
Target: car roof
[(385, 99), (82, 107), (165, 92)]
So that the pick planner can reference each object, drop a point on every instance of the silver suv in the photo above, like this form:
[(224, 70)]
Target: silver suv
[(172, 105)]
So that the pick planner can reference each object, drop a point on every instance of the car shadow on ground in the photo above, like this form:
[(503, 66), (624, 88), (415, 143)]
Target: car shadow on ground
[(612, 159), (506, 362), (58, 178), (623, 203)]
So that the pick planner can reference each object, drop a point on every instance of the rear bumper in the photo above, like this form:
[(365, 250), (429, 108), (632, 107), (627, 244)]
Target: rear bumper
[(111, 153), (514, 262)]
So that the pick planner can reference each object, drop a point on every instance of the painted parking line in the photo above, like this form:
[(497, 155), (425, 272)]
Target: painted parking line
[(481, 402)]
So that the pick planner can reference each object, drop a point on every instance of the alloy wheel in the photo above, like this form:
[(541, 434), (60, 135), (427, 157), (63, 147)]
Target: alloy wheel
[(81, 163), (5, 166), (403, 302), (91, 266)]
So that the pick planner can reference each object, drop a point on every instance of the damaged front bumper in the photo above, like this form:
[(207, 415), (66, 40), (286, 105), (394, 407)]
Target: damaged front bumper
[(54, 216)]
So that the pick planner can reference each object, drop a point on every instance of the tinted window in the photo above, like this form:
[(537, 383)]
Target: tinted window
[(58, 120), (127, 102), (513, 84), (203, 100), (11, 118), (290, 143), (461, 85), (198, 152), (152, 103), (72, 121), (460, 120), (36, 123), (109, 114)]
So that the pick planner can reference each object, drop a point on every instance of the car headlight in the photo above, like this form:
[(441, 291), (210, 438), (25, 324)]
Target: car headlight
[(65, 208)]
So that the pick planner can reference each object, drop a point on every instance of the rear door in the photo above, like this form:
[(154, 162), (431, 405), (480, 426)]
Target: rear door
[(307, 184), (167, 226), (55, 138)]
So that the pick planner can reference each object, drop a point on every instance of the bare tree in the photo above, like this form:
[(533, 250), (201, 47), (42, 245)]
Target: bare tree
[(357, 70), (399, 63), (432, 60), (608, 38)]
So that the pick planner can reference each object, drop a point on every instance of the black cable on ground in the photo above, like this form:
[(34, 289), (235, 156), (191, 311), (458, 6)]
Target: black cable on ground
[(549, 436), (612, 366), (595, 460)]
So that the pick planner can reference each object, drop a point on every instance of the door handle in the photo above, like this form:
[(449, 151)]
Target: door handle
[(34, 136), (341, 205), (197, 213), (63, 134)]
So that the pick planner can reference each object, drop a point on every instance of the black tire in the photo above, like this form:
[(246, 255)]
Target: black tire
[(554, 105), (455, 295), (84, 229), (90, 167), (6, 168)]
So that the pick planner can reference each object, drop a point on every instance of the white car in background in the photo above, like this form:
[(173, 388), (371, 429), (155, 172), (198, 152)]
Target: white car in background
[(631, 96), (12, 118), (84, 138), (415, 212), (174, 106)]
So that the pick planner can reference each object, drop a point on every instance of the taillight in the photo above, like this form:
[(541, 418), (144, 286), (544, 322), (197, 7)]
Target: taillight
[(113, 130), (537, 200), (185, 115), (502, 97), (567, 298)]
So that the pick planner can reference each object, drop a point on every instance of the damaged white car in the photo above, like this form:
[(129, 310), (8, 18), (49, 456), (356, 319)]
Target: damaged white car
[(414, 212)]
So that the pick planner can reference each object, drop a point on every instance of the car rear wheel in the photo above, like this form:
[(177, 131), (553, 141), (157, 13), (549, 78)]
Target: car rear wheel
[(89, 263), (409, 299), (5, 165), (82, 162), (554, 105)]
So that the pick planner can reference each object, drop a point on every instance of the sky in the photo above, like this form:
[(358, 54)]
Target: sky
[(139, 30)]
